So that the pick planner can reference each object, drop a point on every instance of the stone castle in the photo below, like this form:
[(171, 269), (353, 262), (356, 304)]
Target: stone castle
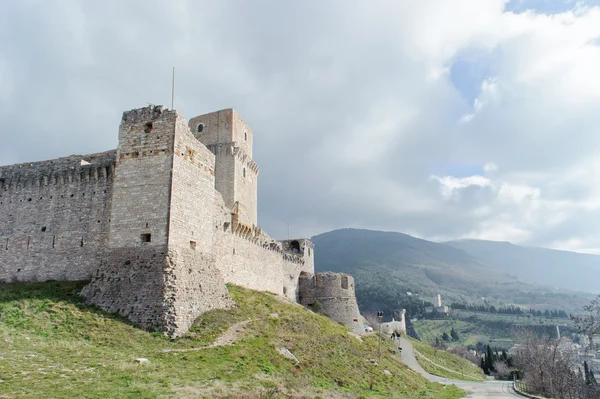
[(159, 225)]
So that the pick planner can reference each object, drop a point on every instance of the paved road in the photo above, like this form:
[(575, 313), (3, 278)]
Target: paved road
[(475, 390)]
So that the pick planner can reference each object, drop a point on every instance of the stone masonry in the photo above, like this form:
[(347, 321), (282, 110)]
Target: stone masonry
[(157, 226), (336, 295)]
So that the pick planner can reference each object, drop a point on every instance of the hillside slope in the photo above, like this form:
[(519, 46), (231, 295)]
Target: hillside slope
[(56, 346), (387, 265), (562, 269)]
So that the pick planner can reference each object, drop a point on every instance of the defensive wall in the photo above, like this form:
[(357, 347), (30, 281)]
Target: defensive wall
[(158, 226), (54, 217), (336, 295)]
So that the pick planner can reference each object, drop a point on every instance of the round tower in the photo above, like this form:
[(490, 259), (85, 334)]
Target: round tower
[(334, 294)]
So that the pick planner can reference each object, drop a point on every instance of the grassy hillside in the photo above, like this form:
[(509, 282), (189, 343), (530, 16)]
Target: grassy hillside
[(56, 346), (445, 364)]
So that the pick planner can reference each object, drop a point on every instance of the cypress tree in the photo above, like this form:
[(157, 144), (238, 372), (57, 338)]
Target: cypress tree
[(483, 365), (489, 358), (445, 336), (586, 372), (454, 334)]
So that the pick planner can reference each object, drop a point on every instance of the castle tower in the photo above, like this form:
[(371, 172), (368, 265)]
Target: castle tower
[(142, 183), (335, 294), (229, 137), (159, 270)]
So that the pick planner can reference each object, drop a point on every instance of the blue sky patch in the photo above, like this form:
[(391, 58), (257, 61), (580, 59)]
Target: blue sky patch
[(467, 75), (547, 6), (457, 169)]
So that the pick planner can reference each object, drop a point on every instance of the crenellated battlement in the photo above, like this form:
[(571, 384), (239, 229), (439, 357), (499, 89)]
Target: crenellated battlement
[(75, 169), (149, 113)]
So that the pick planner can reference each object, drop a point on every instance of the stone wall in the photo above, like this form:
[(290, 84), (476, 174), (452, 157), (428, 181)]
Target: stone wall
[(54, 217), (157, 288), (192, 192), (142, 189), (245, 263), (336, 294)]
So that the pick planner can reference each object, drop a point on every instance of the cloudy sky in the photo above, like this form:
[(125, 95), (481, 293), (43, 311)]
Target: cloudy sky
[(441, 119)]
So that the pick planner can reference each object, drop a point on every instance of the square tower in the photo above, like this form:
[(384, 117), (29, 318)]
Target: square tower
[(229, 137)]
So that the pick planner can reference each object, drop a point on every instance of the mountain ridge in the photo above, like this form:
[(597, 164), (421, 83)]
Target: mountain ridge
[(387, 265), (563, 269)]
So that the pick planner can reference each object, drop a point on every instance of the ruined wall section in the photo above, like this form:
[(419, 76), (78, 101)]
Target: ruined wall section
[(142, 188), (54, 217), (191, 222), (292, 269), (336, 294), (155, 287)]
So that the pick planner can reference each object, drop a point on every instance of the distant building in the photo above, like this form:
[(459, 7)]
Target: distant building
[(438, 307), (398, 323)]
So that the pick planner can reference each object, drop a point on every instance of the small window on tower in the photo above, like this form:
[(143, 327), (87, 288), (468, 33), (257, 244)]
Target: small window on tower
[(244, 172), (193, 245), (200, 127), (146, 237), (246, 136)]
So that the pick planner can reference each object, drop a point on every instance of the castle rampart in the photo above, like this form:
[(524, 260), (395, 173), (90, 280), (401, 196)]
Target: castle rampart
[(54, 217)]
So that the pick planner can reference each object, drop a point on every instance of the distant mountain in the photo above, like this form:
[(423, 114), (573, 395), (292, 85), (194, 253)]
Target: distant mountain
[(388, 265), (349, 249), (562, 269)]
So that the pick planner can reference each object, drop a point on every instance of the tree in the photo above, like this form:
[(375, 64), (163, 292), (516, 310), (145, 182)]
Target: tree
[(586, 373), (489, 359), (483, 366), (445, 336), (454, 335), (589, 323), (547, 366)]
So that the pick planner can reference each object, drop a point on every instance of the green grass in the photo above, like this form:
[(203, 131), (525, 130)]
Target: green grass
[(445, 364), (53, 345)]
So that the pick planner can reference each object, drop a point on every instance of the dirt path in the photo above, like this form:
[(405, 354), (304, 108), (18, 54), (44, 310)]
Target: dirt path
[(419, 354), (230, 336)]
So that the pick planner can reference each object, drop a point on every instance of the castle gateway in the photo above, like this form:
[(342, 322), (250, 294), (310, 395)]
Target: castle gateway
[(158, 226)]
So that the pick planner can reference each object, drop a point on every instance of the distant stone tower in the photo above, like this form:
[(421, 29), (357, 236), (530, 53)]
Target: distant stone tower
[(229, 137), (438, 301), (336, 295)]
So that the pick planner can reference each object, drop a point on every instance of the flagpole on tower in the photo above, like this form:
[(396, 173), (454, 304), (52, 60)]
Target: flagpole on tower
[(173, 89)]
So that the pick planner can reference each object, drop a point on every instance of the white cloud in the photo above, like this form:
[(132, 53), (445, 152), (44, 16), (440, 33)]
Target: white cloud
[(490, 167), (351, 104), (450, 185)]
